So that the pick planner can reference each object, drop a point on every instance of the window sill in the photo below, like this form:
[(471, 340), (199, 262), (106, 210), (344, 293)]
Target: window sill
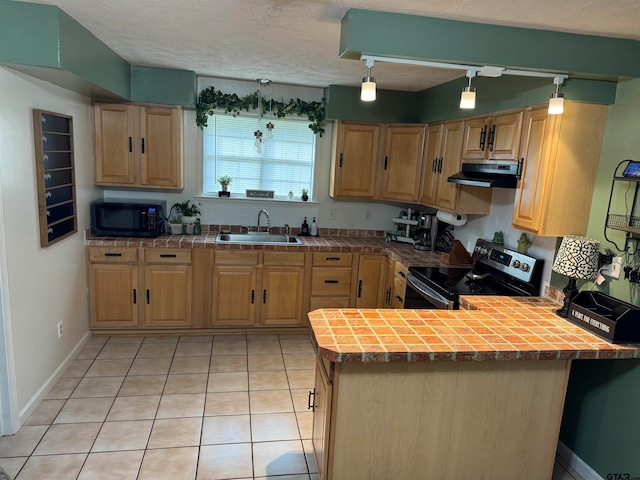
[(245, 200)]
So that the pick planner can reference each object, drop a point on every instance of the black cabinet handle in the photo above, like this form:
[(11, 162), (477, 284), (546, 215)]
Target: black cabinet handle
[(130, 144), (135, 296), (332, 259), (253, 296), (433, 165), (440, 165), (264, 296), (387, 299), (331, 281), (112, 254), (519, 168), (341, 156), (147, 296), (400, 298), (402, 274), (359, 288), (386, 162), (310, 399), (168, 255), (483, 137), (143, 145), (492, 137)]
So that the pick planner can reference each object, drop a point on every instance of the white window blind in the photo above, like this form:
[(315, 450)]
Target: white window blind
[(285, 163)]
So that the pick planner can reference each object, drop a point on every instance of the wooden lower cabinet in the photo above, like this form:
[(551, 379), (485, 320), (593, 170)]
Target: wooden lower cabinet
[(114, 295), (168, 293), (332, 276), (282, 290), (370, 286), (234, 295), (399, 287), (438, 420)]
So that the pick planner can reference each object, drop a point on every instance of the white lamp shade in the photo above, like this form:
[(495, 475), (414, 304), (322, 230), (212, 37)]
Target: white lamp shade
[(468, 98), (556, 105), (577, 257), (368, 90)]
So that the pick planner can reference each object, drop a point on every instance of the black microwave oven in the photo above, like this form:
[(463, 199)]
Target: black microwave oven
[(128, 218)]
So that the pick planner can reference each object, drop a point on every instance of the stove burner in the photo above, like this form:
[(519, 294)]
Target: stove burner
[(474, 287)]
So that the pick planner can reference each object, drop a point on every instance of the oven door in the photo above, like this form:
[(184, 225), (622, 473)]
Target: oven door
[(420, 296)]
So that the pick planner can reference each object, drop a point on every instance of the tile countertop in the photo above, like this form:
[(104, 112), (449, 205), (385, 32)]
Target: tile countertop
[(489, 328)]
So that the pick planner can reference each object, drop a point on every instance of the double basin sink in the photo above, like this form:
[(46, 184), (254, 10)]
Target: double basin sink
[(257, 238)]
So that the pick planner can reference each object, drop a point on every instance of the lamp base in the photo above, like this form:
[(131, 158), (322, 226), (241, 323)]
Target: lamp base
[(569, 291)]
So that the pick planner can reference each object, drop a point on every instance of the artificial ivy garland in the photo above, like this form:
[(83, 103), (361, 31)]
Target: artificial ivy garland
[(211, 100)]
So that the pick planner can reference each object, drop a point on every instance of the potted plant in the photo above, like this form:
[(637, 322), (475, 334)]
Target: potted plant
[(188, 214), (224, 182), (305, 194), (175, 221)]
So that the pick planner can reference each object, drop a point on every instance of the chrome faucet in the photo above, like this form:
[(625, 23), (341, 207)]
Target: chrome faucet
[(268, 219)]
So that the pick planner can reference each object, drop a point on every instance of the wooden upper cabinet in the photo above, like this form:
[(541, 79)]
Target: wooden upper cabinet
[(560, 155), (430, 175), (449, 164), (138, 146), (492, 138), (354, 158), (402, 163)]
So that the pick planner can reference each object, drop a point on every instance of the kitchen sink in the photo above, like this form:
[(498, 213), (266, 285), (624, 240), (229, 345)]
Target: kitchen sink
[(257, 238)]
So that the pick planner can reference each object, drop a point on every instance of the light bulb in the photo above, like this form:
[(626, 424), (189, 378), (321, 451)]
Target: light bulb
[(468, 98)]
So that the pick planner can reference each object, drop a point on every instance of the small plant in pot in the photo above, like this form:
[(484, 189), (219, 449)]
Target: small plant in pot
[(188, 213), (224, 182), (305, 194)]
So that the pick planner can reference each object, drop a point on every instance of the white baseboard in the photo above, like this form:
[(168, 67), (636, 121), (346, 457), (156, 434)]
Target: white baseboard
[(34, 401), (571, 460)]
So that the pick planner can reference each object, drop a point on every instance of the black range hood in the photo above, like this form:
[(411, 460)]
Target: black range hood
[(483, 174)]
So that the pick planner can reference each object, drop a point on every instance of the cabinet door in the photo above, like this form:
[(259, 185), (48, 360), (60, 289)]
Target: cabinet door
[(321, 418), (168, 295), (452, 136), (234, 296), (388, 282), (282, 289), (370, 288), (476, 133), (431, 158), (114, 294), (356, 157), (530, 188), (114, 138), (402, 163), (504, 136), (160, 146)]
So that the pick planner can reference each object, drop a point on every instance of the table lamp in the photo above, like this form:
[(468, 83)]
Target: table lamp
[(577, 258)]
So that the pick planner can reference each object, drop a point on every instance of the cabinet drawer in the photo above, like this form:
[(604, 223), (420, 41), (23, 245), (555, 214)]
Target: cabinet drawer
[(167, 255), (400, 271), (328, 302), (333, 259), (331, 281), (283, 258), (236, 258), (399, 289), (113, 255)]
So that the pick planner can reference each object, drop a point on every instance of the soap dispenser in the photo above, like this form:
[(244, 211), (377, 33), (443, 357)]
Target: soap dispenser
[(314, 228), (304, 230)]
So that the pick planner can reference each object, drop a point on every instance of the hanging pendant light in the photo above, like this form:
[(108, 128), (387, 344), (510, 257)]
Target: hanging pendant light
[(556, 102), (468, 95), (368, 89)]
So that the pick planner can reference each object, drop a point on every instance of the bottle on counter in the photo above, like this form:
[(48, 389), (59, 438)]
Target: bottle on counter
[(314, 228), (304, 230)]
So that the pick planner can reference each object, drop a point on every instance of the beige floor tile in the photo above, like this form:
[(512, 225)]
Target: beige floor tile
[(299, 361), (46, 412), (218, 462), (270, 427), (12, 466), (270, 401), (195, 338), (227, 403), (182, 405), (190, 365), (116, 367), (169, 464), (232, 338), (228, 363), (127, 435), (89, 352), (77, 368), (305, 424), (23, 442), (307, 445), (143, 385), (68, 438), (278, 458), (98, 387), (193, 349), (263, 348), (176, 432), (112, 466), (268, 380), (118, 350), (85, 410), (226, 429), (301, 378), (161, 339), (228, 382), (296, 344), (265, 362), (154, 350), (150, 366), (284, 477), (98, 340), (63, 388), (52, 467), (186, 383), (134, 339), (140, 407), (263, 337), (301, 399), (233, 348)]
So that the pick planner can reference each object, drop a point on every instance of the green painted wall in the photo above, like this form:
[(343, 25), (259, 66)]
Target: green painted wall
[(390, 106), (601, 412), (163, 85), (437, 39)]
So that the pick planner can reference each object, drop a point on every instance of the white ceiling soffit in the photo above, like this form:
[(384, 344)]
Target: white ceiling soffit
[(296, 41)]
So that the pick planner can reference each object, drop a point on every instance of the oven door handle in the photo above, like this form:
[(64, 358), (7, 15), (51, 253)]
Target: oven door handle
[(429, 294)]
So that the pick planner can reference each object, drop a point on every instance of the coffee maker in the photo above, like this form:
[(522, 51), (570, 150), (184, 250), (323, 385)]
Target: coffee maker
[(423, 236)]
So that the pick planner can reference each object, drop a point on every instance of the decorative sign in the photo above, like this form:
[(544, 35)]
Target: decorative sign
[(259, 193)]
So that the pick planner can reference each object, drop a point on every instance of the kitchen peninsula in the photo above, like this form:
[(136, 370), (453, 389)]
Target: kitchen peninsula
[(434, 394)]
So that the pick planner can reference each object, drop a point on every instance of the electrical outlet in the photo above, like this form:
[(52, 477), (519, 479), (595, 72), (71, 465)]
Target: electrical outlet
[(367, 215), (332, 213), (613, 269), (60, 329)]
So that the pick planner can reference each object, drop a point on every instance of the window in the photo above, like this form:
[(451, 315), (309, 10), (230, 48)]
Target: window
[(284, 165)]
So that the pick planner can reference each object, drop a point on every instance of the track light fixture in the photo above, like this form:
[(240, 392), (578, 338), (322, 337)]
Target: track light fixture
[(368, 89), (556, 102), (468, 95)]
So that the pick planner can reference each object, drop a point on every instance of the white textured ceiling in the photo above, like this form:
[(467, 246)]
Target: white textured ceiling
[(296, 41)]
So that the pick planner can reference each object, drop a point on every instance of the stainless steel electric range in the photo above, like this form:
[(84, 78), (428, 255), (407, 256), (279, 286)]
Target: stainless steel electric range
[(497, 271)]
